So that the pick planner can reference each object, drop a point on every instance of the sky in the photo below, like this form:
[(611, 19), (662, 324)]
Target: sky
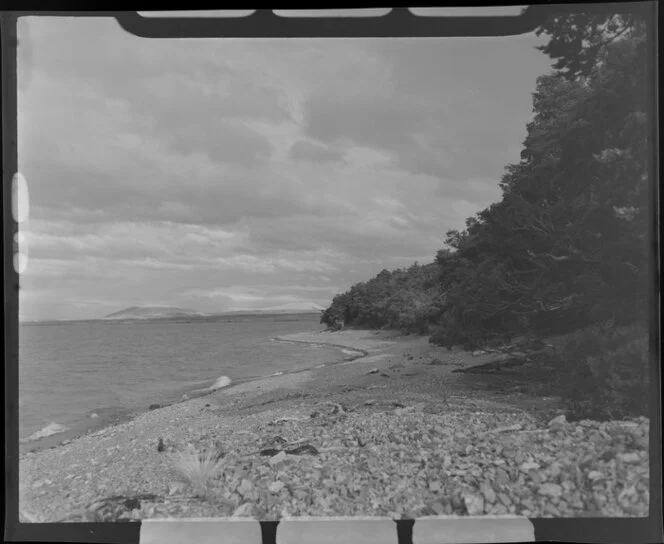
[(234, 174)]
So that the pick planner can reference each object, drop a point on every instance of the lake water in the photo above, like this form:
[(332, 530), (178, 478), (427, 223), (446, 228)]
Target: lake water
[(80, 375)]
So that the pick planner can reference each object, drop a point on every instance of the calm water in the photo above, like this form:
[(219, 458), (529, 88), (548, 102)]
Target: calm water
[(74, 376)]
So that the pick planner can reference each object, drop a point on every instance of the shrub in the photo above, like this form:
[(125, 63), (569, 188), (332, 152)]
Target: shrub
[(605, 373), (198, 468)]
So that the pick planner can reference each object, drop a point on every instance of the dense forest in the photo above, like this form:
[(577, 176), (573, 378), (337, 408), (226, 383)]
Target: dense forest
[(565, 253)]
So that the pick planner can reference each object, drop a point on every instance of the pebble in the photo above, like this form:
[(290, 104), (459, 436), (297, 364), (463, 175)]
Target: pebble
[(474, 504), (595, 475), (277, 459), (631, 457), (488, 492), (550, 490), (244, 510), (558, 423), (275, 487)]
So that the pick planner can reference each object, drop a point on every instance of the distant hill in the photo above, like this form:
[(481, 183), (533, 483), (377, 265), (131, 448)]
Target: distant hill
[(153, 312), (170, 312)]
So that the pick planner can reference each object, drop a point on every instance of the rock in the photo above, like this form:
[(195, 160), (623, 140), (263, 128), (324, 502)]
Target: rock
[(505, 499), (488, 492), (384, 375), (552, 510), (369, 402), (161, 446), (502, 477), (595, 475), (154, 406), (550, 490), (434, 486), (558, 423), (629, 458), (438, 508), (275, 487), (474, 503), (244, 510), (314, 414), (478, 352), (277, 459), (373, 371), (271, 452), (528, 466), (245, 487)]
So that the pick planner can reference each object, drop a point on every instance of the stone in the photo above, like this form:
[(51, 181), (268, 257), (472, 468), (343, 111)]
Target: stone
[(528, 466), (629, 458), (552, 510), (369, 402), (434, 486), (504, 498), (502, 477), (277, 459), (595, 475), (245, 487), (275, 487), (154, 406), (474, 503), (550, 490), (558, 423), (488, 492), (373, 371), (244, 510), (438, 508)]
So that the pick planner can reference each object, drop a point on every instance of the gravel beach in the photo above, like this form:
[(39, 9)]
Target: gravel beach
[(392, 430)]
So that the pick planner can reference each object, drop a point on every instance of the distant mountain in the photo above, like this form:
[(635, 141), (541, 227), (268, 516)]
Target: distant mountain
[(153, 312)]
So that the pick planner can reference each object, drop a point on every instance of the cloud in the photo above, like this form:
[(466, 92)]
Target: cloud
[(190, 172), (308, 151)]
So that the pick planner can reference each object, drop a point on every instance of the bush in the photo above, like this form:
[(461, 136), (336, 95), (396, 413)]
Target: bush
[(605, 373)]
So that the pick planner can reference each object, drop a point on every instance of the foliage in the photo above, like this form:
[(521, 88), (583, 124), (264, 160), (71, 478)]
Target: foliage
[(198, 468), (406, 299), (566, 248), (605, 372)]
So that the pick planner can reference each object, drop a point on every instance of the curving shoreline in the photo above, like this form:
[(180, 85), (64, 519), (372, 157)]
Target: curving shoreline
[(66, 436), (370, 421)]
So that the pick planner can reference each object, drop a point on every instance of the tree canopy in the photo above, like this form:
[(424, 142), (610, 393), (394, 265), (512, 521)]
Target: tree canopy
[(567, 245)]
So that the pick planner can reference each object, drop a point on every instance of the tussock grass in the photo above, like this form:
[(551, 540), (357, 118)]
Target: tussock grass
[(198, 469)]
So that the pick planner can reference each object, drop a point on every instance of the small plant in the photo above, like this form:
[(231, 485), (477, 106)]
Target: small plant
[(198, 468)]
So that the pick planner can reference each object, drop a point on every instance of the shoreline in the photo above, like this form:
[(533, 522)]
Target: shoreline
[(402, 387), (57, 439)]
